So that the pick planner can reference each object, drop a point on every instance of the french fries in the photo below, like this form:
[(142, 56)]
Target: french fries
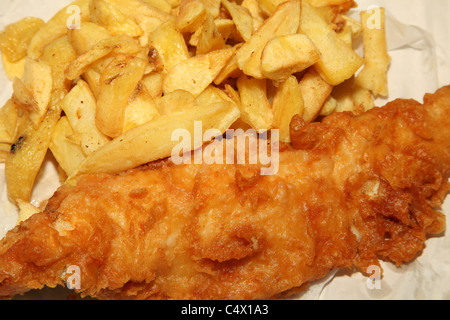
[(255, 108), (315, 92), (67, 152), (107, 94), (117, 83), (153, 140), (338, 62), (286, 55), (197, 73), (284, 21), (374, 74), (15, 39), (288, 102)]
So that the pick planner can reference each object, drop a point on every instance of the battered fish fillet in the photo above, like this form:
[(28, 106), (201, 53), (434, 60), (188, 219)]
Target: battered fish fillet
[(349, 191)]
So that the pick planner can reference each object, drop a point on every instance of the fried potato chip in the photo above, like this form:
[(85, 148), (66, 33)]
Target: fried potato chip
[(255, 108), (38, 80), (255, 11), (141, 108), (268, 7), (212, 95), (22, 96), (374, 74), (284, 21), (16, 37), (159, 4), (338, 61), (133, 9), (26, 210), (55, 28), (4, 151), (117, 83), (13, 69), (191, 16), (329, 106), (286, 55), (68, 154), (210, 39), (153, 140), (153, 82), (175, 101), (326, 3), (110, 17), (231, 69), (27, 154), (288, 102), (118, 44), (241, 18), (169, 44), (315, 92), (79, 105), (197, 73), (87, 36), (58, 55), (8, 121)]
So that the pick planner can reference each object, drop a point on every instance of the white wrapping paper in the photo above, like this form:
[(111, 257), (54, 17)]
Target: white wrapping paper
[(419, 45)]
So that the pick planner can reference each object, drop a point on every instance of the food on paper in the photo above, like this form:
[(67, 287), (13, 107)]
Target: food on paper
[(227, 232), (105, 84)]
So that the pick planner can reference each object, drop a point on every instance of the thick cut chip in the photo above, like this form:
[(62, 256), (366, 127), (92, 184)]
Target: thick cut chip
[(286, 55), (79, 105), (288, 102), (197, 73), (26, 210), (117, 82), (13, 69), (8, 122), (231, 70), (315, 91), (212, 95), (38, 80), (56, 27), (87, 36), (153, 82), (268, 7), (284, 21), (255, 108), (58, 55), (159, 4), (68, 153), (27, 154), (141, 109), (118, 44), (169, 44), (326, 3), (16, 37), (255, 12), (133, 9), (374, 74), (154, 140), (210, 39), (241, 17), (175, 101), (191, 16), (110, 17), (338, 61)]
